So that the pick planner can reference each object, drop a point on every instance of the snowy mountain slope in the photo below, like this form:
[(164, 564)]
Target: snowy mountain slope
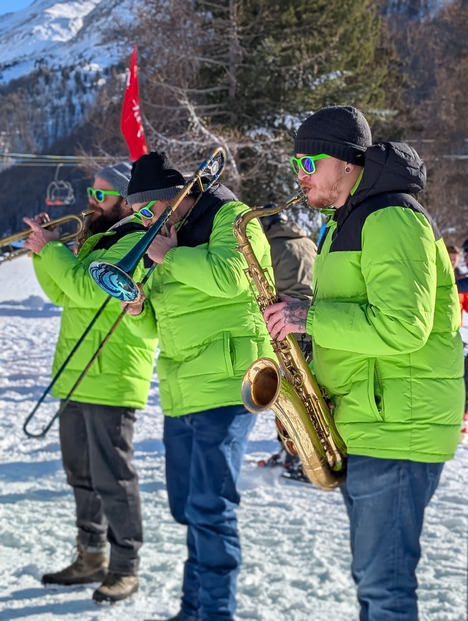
[(60, 34)]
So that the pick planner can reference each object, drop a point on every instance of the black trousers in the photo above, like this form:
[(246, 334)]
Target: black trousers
[(97, 450)]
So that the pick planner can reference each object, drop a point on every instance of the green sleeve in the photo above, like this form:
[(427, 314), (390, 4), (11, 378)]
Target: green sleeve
[(217, 268), (398, 266), (71, 273), (143, 325), (48, 284)]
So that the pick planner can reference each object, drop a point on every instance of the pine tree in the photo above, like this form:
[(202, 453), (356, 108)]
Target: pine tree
[(245, 73), (270, 63)]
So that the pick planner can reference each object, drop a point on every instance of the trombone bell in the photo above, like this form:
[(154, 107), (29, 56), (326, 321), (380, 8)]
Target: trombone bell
[(114, 281)]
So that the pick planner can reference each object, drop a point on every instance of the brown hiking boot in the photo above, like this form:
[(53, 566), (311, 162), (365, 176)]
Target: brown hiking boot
[(115, 588), (88, 567)]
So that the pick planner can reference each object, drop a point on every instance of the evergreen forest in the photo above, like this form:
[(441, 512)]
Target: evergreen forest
[(245, 73)]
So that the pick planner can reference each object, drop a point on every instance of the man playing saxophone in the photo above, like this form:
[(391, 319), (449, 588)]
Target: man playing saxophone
[(384, 322)]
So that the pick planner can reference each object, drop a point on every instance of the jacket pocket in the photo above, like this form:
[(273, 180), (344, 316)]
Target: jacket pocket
[(375, 389), (213, 358)]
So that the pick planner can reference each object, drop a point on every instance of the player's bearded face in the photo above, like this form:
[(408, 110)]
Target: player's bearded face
[(102, 219)]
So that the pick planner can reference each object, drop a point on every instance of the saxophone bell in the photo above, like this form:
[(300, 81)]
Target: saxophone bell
[(289, 388)]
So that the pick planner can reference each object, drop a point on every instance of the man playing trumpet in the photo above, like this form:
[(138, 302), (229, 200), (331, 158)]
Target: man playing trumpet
[(96, 427)]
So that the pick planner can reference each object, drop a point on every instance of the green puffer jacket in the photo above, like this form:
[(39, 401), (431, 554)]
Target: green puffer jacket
[(209, 326), (122, 372), (386, 317)]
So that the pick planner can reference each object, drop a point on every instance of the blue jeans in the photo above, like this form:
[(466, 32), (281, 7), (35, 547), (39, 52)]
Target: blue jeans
[(204, 454), (385, 500)]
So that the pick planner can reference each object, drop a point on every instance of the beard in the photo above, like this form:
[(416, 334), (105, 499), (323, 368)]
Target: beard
[(328, 193), (325, 199), (101, 221)]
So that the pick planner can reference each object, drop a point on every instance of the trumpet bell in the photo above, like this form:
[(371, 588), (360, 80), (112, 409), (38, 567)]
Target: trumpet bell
[(114, 281), (11, 246)]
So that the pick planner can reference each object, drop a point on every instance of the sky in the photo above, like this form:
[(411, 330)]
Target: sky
[(10, 6)]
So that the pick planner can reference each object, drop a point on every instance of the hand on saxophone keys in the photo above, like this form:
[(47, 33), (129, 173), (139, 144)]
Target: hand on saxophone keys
[(286, 317), (39, 236)]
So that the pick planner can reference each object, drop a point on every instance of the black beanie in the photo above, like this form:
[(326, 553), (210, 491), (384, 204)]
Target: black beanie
[(339, 131), (154, 178)]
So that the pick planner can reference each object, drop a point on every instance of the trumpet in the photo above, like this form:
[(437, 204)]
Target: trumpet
[(8, 252)]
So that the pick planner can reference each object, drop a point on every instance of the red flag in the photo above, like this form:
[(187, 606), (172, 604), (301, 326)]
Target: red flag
[(130, 123)]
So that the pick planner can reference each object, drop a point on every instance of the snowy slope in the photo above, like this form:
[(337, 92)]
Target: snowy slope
[(294, 537), (59, 34)]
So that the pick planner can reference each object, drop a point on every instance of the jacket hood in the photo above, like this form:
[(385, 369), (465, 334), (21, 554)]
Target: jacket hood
[(391, 167)]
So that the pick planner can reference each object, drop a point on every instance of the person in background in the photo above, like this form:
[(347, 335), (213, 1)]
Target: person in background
[(462, 282), (293, 254), (385, 327), (460, 272), (464, 251), (210, 330), (455, 254), (96, 427)]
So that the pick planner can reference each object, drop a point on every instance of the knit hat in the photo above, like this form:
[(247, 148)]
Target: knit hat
[(339, 131), (118, 176), (154, 178)]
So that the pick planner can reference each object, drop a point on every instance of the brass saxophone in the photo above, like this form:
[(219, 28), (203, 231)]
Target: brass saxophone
[(305, 422)]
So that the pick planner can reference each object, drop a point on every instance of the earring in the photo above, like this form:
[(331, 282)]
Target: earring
[(347, 169)]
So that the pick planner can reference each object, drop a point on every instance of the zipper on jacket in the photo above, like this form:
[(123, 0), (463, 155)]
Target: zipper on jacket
[(324, 252)]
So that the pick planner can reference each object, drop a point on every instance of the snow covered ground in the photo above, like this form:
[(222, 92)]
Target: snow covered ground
[(295, 537)]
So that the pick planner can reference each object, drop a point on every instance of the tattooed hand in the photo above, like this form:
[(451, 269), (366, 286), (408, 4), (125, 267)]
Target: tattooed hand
[(286, 317)]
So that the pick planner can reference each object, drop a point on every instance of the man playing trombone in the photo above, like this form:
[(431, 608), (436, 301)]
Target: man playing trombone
[(210, 330), (96, 427)]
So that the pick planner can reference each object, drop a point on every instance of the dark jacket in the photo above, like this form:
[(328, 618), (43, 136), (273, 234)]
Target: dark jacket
[(293, 254)]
